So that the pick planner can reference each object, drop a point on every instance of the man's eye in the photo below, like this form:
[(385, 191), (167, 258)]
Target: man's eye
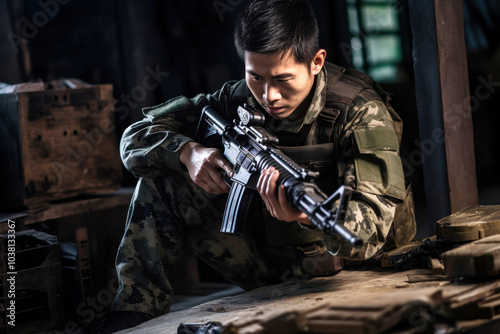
[(284, 80), (256, 78)]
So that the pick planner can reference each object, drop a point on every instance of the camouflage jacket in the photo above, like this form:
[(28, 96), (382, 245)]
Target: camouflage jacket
[(366, 152)]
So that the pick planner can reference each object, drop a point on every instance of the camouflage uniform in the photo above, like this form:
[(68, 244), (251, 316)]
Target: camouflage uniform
[(169, 212)]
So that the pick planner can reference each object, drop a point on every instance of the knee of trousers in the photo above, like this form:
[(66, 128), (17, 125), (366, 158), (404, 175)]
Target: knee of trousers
[(176, 194)]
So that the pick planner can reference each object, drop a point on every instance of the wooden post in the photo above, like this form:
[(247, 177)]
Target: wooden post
[(445, 125), (459, 139)]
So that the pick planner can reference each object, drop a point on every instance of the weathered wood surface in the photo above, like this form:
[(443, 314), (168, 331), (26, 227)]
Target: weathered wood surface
[(480, 258), (75, 207), (457, 117), (347, 288), (60, 143), (444, 109), (472, 223)]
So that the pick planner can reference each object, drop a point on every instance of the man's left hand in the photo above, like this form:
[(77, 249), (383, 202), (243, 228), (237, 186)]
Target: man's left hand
[(275, 198)]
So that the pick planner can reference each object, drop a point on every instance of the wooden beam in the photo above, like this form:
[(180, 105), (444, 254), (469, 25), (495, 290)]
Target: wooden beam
[(65, 209), (445, 124), (459, 140)]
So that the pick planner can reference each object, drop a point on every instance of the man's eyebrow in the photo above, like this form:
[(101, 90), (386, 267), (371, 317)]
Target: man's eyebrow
[(282, 76), (279, 76), (253, 73)]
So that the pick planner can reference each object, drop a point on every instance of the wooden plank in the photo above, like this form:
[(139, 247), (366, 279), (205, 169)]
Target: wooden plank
[(441, 84), (469, 224), (70, 208), (459, 140), (480, 258), (77, 207)]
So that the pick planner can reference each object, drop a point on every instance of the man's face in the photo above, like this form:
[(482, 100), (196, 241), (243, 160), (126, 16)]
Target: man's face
[(278, 82)]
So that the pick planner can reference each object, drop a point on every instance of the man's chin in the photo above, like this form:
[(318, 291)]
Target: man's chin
[(282, 113)]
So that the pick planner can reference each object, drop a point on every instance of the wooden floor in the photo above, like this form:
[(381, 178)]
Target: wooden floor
[(348, 296)]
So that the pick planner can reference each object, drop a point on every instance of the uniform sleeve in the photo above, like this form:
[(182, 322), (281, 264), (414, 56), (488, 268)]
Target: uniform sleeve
[(152, 146), (369, 163)]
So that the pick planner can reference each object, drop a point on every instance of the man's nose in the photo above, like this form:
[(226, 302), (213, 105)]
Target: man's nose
[(271, 93)]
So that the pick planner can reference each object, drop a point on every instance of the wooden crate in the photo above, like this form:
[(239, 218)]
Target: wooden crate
[(480, 258), (56, 144), (469, 224)]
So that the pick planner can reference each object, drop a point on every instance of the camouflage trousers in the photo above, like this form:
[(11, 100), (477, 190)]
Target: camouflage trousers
[(167, 215)]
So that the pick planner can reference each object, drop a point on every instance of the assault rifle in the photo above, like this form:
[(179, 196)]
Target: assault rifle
[(251, 149)]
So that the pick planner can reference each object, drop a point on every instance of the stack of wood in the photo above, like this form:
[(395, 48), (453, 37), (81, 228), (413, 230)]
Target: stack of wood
[(461, 239)]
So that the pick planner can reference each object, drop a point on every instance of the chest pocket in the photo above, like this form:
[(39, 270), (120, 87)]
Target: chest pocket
[(318, 158)]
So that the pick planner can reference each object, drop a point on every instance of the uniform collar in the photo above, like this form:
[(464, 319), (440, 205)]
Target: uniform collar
[(317, 103)]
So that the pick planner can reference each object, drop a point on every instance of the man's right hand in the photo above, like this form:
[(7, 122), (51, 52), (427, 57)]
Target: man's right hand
[(204, 166)]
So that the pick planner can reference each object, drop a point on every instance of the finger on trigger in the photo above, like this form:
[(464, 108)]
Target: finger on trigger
[(217, 182), (226, 166)]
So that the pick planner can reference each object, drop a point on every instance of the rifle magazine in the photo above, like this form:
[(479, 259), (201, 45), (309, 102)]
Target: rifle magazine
[(237, 208)]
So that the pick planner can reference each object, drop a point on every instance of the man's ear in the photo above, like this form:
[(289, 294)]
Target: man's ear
[(318, 61)]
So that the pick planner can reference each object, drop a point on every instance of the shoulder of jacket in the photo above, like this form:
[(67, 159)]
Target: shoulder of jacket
[(346, 88)]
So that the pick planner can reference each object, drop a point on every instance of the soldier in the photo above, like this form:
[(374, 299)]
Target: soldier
[(180, 195)]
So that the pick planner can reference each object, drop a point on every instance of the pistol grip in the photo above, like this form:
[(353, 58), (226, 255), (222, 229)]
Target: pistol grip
[(237, 207)]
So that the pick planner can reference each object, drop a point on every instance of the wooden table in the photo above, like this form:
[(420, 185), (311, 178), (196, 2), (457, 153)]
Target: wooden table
[(70, 207), (354, 290)]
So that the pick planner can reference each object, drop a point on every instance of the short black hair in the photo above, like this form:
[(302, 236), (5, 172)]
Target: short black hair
[(271, 26)]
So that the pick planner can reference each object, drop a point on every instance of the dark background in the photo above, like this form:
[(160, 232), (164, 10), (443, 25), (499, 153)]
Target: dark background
[(120, 42)]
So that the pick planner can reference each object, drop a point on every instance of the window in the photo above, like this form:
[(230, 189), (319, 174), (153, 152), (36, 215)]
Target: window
[(375, 38)]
